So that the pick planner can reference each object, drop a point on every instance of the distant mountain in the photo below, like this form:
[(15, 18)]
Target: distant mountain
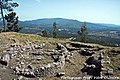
[(70, 25), (111, 25)]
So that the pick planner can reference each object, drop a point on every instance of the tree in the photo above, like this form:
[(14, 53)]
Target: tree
[(83, 33), (45, 33), (6, 5), (0, 30), (55, 31), (1, 8), (12, 22)]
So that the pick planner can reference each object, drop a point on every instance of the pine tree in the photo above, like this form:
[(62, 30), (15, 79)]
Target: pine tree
[(45, 33), (6, 5), (55, 32), (12, 22), (0, 30), (83, 33)]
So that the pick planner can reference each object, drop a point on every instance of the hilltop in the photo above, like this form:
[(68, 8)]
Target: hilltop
[(29, 56)]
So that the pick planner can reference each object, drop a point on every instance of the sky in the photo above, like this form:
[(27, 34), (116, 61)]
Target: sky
[(96, 11)]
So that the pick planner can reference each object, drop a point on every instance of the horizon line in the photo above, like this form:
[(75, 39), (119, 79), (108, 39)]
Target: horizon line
[(71, 19)]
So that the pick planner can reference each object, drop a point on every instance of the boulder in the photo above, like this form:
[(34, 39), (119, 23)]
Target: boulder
[(78, 45), (59, 62), (3, 62), (24, 72), (101, 56), (115, 51), (70, 48), (30, 67), (20, 78), (5, 59), (89, 66), (37, 46), (87, 52), (61, 47), (109, 71), (60, 74), (28, 73), (43, 71), (38, 53), (119, 68)]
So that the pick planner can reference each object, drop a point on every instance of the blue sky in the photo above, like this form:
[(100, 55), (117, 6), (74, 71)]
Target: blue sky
[(97, 11)]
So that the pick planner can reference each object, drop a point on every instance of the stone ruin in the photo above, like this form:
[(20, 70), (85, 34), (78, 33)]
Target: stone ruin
[(23, 62), (96, 67), (37, 72), (25, 57), (5, 59)]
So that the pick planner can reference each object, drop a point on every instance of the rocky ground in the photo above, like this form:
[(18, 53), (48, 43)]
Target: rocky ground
[(31, 57)]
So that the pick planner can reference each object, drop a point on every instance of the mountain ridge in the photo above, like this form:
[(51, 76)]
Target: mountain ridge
[(62, 23), (70, 24), (69, 19)]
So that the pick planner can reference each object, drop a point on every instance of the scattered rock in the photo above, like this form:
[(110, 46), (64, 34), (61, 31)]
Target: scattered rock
[(119, 68), (44, 71), (24, 72), (115, 51), (37, 47), (60, 74), (30, 67), (70, 48), (5, 59), (77, 45), (61, 47), (100, 56), (38, 52), (20, 78), (109, 71), (4, 62), (87, 52)]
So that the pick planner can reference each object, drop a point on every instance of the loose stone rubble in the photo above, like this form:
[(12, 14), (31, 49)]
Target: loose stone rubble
[(28, 60), (5, 59)]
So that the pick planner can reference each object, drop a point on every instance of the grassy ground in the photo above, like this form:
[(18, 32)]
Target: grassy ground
[(35, 38), (22, 38)]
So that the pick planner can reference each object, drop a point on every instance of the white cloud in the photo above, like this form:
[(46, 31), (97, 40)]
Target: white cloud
[(38, 1)]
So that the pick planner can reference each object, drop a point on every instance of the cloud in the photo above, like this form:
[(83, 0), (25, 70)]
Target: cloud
[(38, 1)]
